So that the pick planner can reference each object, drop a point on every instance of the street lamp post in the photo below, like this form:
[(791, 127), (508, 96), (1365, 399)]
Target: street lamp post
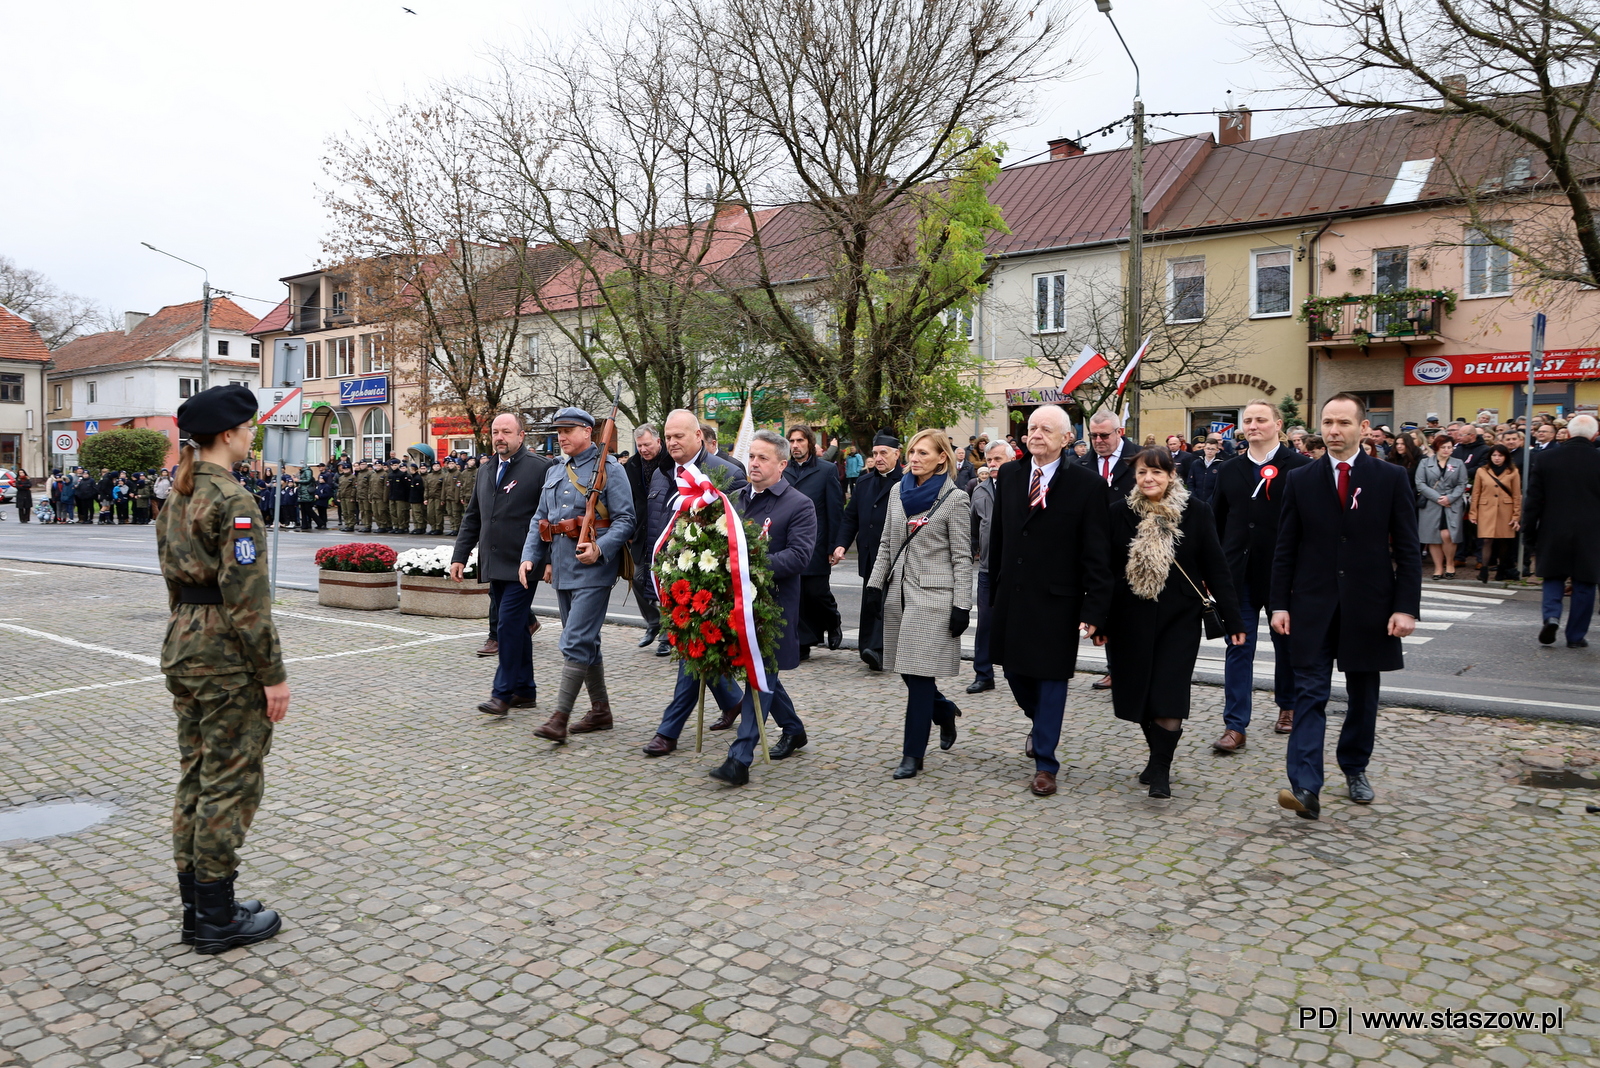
[(205, 315), (1133, 321)]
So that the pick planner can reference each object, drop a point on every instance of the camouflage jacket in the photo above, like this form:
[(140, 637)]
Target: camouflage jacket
[(213, 538)]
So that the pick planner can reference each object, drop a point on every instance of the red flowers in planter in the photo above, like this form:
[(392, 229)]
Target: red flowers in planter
[(356, 556)]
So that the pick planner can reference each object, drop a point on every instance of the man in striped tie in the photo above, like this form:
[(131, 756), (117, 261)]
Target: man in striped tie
[(1049, 576)]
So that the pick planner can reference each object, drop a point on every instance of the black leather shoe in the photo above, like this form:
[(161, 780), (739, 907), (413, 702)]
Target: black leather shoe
[(873, 659), (909, 766), (980, 685), (649, 637), (805, 652), (835, 637), (663, 649), (732, 772), (1547, 633), (1360, 789), (947, 734), (788, 744), (1581, 643), (527, 700), (1302, 803)]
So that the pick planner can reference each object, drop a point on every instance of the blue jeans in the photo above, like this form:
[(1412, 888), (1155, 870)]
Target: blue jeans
[(1044, 701), (1582, 606), (1303, 754), (982, 664), (514, 677), (1238, 673), (686, 696), (777, 703)]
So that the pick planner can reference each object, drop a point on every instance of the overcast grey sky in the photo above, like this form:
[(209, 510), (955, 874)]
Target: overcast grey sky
[(199, 127)]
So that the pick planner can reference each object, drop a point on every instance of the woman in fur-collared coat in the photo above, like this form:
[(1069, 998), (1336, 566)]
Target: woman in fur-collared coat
[(1152, 634)]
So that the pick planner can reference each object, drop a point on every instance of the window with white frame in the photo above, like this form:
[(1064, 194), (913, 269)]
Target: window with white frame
[(531, 343), (11, 388), (1049, 303), (313, 359), (94, 391), (1488, 265), (963, 321), (1270, 281), (188, 387), (1391, 269), (55, 398), (374, 353), (1186, 290), (342, 356)]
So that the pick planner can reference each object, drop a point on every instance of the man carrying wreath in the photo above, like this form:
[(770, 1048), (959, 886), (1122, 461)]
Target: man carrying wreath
[(787, 521)]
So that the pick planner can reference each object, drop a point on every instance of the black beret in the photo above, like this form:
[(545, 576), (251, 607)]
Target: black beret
[(216, 409), (886, 438)]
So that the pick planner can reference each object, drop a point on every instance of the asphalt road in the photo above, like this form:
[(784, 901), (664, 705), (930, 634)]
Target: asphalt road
[(1474, 651)]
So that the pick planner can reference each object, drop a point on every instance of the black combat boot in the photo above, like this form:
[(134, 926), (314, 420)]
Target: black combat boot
[(186, 893), (219, 924)]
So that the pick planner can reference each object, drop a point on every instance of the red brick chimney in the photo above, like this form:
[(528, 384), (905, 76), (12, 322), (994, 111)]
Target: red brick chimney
[(1064, 148), (1233, 127)]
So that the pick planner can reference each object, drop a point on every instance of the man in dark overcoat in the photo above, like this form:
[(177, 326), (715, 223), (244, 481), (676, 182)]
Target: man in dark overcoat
[(496, 522), (819, 480), (1248, 503), (1562, 517), (863, 523), (1049, 574), (648, 458), (1110, 457), (788, 522), (1347, 574)]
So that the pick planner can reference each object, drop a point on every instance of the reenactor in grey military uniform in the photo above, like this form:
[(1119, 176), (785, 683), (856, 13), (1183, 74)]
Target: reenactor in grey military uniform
[(349, 508), (223, 663), (582, 575), (432, 498)]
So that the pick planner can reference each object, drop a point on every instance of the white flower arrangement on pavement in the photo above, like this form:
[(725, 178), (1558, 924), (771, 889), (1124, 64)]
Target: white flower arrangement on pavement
[(434, 563)]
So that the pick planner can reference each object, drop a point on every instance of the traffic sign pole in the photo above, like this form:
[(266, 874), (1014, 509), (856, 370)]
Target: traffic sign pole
[(1535, 361)]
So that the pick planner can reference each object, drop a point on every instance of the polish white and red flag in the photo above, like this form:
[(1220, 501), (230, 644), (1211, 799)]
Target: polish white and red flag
[(1133, 365), (1088, 364)]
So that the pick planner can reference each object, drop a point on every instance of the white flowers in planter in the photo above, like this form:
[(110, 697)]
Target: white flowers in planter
[(433, 563)]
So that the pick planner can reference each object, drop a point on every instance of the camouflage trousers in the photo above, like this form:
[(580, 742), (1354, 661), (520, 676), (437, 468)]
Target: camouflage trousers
[(223, 737)]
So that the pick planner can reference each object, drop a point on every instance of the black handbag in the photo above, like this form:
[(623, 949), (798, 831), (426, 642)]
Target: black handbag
[(1209, 615)]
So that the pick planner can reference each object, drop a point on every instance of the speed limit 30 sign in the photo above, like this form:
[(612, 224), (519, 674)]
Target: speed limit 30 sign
[(65, 441)]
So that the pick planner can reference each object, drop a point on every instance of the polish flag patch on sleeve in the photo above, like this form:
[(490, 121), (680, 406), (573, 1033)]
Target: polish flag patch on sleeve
[(241, 522)]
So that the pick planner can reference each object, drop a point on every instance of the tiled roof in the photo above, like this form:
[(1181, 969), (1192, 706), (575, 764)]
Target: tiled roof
[(276, 319), (153, 337), (19, 339)]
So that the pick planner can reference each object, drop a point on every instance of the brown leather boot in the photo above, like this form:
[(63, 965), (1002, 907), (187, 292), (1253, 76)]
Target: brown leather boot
[(555, 728), (598, 718), (730, 716)]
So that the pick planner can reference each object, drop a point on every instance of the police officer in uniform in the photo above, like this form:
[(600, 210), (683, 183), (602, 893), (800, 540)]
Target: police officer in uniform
[(349, 508), (223, 664), (582, 575)]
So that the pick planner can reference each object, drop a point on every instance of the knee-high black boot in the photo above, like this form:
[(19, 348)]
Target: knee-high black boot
[(1163, 744), (1149, 765)]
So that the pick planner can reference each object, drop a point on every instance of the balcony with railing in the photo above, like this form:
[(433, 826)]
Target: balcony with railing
[(1409, 318)]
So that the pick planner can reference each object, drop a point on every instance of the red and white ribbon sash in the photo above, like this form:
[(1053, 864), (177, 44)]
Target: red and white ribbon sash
[(695, 489)]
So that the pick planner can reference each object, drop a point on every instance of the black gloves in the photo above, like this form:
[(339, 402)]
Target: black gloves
[(959, 618)]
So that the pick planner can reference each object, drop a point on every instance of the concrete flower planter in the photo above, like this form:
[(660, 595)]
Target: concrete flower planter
[(366, 591), (422, 595)]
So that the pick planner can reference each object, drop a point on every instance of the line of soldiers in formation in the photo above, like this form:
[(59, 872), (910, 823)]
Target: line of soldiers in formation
[(400, 498)]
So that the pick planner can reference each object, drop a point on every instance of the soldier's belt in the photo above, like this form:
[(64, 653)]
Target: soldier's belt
[(566, 528), (199, 595)]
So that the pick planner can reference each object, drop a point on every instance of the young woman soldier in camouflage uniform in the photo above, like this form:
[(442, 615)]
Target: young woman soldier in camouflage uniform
[(223, 664)]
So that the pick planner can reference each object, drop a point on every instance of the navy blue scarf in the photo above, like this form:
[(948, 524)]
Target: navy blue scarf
[(915, 499)]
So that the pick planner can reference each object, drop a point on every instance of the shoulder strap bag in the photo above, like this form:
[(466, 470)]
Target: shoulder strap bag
[(889, 575), (1209, 614)]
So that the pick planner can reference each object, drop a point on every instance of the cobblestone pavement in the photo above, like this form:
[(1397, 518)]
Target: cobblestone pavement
[(456, 893)]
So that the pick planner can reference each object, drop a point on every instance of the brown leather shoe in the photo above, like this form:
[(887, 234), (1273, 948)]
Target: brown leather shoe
[(1285, 722), (660, 745), (494, 707), (524, 702), (1103, 684), (729, 718), (1043, 785), (534, 624), (1231, 742), (490, 648), (598, 718), (554, 729)]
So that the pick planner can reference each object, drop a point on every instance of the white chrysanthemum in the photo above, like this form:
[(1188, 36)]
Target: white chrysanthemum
[(708, 561), (686, 559), (691, 532), (722, 523)]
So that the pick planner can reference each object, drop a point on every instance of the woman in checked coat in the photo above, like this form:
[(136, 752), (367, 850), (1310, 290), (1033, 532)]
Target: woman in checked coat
[(924, 567)]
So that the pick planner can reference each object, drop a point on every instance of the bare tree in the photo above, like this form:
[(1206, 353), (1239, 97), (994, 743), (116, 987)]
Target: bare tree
[(59, 316), (1512, 84), (864, 111), (1179, 352)]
